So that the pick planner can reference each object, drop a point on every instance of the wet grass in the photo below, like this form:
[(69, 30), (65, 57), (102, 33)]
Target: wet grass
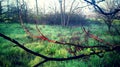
[(13, 56)]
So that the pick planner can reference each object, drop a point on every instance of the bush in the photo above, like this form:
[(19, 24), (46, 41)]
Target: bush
[(55, 19)]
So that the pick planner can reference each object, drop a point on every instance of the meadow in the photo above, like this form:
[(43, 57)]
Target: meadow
[(13, 56)]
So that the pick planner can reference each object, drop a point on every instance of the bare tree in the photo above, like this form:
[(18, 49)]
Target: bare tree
[(64, 16), (8, 8), (64, 20), (70, 12), (61, 10), (108, 13), (110, 18), (36, 1), (0, 10), (24, 10), (17, 3)]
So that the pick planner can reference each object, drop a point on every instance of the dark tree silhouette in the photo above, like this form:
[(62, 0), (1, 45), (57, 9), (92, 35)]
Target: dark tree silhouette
[(111, 13)]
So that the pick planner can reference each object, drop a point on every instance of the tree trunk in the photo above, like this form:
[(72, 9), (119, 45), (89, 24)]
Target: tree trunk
[(1, 12), (8, 9), (36, 6), (61, 11), (64, 14), (109, 28), (108, 22)]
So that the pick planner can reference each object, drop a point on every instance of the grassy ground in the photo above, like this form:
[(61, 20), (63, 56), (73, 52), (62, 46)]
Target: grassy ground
[(13, 56)]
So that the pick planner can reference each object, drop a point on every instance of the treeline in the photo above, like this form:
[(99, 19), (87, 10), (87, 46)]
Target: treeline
[(10, 13), (55, 19)]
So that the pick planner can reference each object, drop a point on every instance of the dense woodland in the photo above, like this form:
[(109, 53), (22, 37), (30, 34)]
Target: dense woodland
[(63, 35)]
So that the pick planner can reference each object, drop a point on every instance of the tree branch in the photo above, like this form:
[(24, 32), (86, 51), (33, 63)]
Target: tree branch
[(100, 9), (40, 63), (21, 46), (55, 59)]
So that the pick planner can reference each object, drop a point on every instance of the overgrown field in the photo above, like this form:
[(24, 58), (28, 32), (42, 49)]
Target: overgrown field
[(13, 56)]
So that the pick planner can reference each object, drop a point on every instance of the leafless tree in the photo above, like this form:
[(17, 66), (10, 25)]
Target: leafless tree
[(36, 1), (64, 20), (8, 8), (109, 13), (71, 10), (0, 8), (61, 10)]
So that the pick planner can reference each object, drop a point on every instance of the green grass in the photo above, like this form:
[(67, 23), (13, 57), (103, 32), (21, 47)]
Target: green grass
[(13, 56)]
